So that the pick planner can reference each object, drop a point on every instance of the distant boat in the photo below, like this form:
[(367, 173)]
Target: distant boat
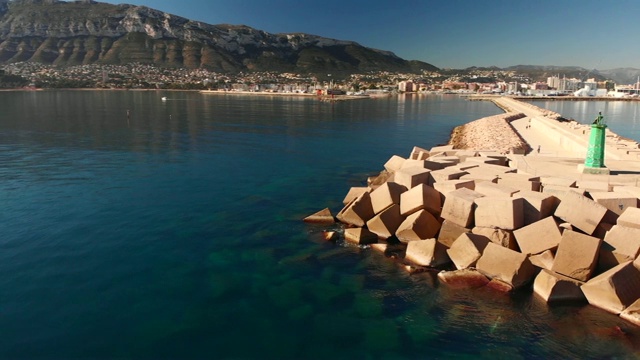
[(164, 98)]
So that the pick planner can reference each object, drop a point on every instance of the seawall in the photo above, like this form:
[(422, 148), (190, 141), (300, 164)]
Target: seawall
[(479, 219)]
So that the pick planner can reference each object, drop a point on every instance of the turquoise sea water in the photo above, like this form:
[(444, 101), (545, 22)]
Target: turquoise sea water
[(177, 233)]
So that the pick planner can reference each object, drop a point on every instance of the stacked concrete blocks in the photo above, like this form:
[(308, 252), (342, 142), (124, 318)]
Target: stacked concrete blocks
[(502, 229)]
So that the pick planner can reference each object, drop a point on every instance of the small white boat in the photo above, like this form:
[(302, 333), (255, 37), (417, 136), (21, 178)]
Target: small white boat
[(164, 98)]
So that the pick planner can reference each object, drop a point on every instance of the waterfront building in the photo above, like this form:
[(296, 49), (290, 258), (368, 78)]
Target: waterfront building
[(554, 82), (406, 86), (540, 86)]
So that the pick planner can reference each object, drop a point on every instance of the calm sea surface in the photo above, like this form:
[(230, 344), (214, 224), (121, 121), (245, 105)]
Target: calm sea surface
[(177, 233), (622, 117)]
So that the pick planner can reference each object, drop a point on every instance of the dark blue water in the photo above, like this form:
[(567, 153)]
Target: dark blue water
[(177, 233)]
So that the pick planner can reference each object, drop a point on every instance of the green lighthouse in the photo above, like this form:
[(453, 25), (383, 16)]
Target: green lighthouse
[(594, 162)]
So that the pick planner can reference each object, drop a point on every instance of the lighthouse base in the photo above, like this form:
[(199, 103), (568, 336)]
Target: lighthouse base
[(593, 170)]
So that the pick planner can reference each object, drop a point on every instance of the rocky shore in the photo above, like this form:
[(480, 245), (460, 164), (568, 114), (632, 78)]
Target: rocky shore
[(494, 130), (465, 212)]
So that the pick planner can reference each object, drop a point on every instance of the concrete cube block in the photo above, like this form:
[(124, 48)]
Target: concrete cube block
[(518, 176), (522, 182), (628, 190), (467, 249), (592, 186), (487, 188), (427, 252), (386, 222), (554, 287), (420, 197), (522, 185), (500, 212), (464, 278), (580, 211), (501, 237), (489, 168), (459, 206), (560, 191), (360, 236), (420, 225), (449, 173), (464, 166), (502, 159), (449, 232), (394, 163), (386, 195), (441, 148), (621, 244), (463, 155), (632, 313), (630, 217), (323, 216), (602, 229), (499, 285), (615, 289), (479, 177), (375, 181), (329, 235), (557, 181), (381, 247), (418, 153), (354, 193), (485, 160), (358, 211), (577, 255), (510, 266), (447, 186), (446, 161), (539, 236), (536, 205), (410, 177), (615, 202), (423, 164), (544, 260)]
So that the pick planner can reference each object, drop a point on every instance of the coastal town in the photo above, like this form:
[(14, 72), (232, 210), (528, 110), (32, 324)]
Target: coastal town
[(144, 76)]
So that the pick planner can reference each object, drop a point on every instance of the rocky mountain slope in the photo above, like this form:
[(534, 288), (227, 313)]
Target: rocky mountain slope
[(85, 32)]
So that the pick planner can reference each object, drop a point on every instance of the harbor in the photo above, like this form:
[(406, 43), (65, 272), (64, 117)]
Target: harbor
[(539, 215)]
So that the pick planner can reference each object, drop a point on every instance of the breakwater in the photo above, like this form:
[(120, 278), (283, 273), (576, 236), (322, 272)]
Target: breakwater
[(477, 220), (493, 132)]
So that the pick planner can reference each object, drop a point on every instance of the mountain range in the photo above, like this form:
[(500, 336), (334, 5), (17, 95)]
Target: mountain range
[(88, 32)]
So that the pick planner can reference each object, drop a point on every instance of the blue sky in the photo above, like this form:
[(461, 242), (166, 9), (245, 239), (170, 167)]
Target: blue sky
[(447, 33)]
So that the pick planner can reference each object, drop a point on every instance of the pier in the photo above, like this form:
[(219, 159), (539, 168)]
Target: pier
[(521, 217), (563, 145)]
